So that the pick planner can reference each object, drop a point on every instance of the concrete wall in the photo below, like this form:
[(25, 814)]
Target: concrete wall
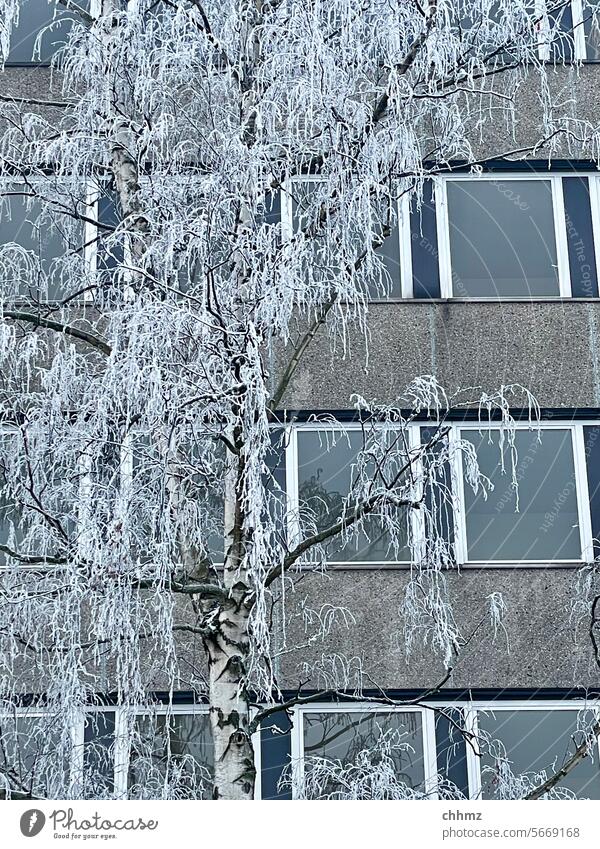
[(552, 348), (541, 646)]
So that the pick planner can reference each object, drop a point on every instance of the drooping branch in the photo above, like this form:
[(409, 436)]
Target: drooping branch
[(32, 559)]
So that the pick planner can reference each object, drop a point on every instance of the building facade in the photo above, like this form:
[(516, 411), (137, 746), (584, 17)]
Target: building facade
[(495, 281)]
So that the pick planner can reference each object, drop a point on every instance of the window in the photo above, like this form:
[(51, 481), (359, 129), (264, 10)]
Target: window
[(300, 210), (58, 487), (314, 477), (9, 518), (552, 522), (353, 736), (35, 16), (326, 476), (590, 14), (99, 754), (502, 239), (515, 747), (490, 31), (43, 253), (186, 738), (33, 754), (505, 235), (575, 31), (490, 236), (93, 762), (566, 30), (521, 746)]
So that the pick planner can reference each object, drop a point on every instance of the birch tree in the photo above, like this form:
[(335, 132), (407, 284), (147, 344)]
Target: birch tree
[(145, 369)]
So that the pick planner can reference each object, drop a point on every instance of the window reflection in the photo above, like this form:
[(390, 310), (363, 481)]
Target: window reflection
[(171, 755), (546, 526), (539, 743), (326, 474), (344, 736)]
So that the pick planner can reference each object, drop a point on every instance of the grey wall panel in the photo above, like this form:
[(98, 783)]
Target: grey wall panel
[(552, 348), (541, 647)]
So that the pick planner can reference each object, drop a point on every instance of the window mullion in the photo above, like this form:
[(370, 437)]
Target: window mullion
[(297, 741), (404, 235), (91, 233), (121, 754), (76, 777), (443, 236), (458, 496), (473, 752), (595, 210), (292, 494), (560, 234), (579, 45), (429, 753), (582, 493)]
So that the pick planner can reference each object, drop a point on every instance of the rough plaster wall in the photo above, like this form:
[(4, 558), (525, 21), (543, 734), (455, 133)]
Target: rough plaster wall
[(541, 647), (551, 348)]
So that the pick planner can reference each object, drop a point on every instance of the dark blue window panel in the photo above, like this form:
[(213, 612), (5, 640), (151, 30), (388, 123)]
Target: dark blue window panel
[(562, 49), (451, 748), (591, 438), (580, 237), (108, 214), (276, 754), (272, 213), (433, 496), (424, 246)]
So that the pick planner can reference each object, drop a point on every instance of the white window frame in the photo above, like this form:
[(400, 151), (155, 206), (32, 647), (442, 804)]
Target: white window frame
[(443, 232), (472, 709), (578, 32), (580, 43), (294, 534), (427, 729), (581, 487)]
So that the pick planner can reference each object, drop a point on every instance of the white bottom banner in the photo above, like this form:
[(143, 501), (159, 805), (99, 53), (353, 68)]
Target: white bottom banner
[(426, 825)]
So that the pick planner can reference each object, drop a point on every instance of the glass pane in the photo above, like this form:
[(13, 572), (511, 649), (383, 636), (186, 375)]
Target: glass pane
[(546, 526), (451, 749), (502, 241), (536, 741), (275, 479), (19, 224), (303, 214), (591, 25), (9, 533), (171, 756), (98, 755), (33, 755), (493, 34), (343, 736), (560, 20), (325, 475), (33, 16)]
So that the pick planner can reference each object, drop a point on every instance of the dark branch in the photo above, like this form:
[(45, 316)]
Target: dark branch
[(58, 326)]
